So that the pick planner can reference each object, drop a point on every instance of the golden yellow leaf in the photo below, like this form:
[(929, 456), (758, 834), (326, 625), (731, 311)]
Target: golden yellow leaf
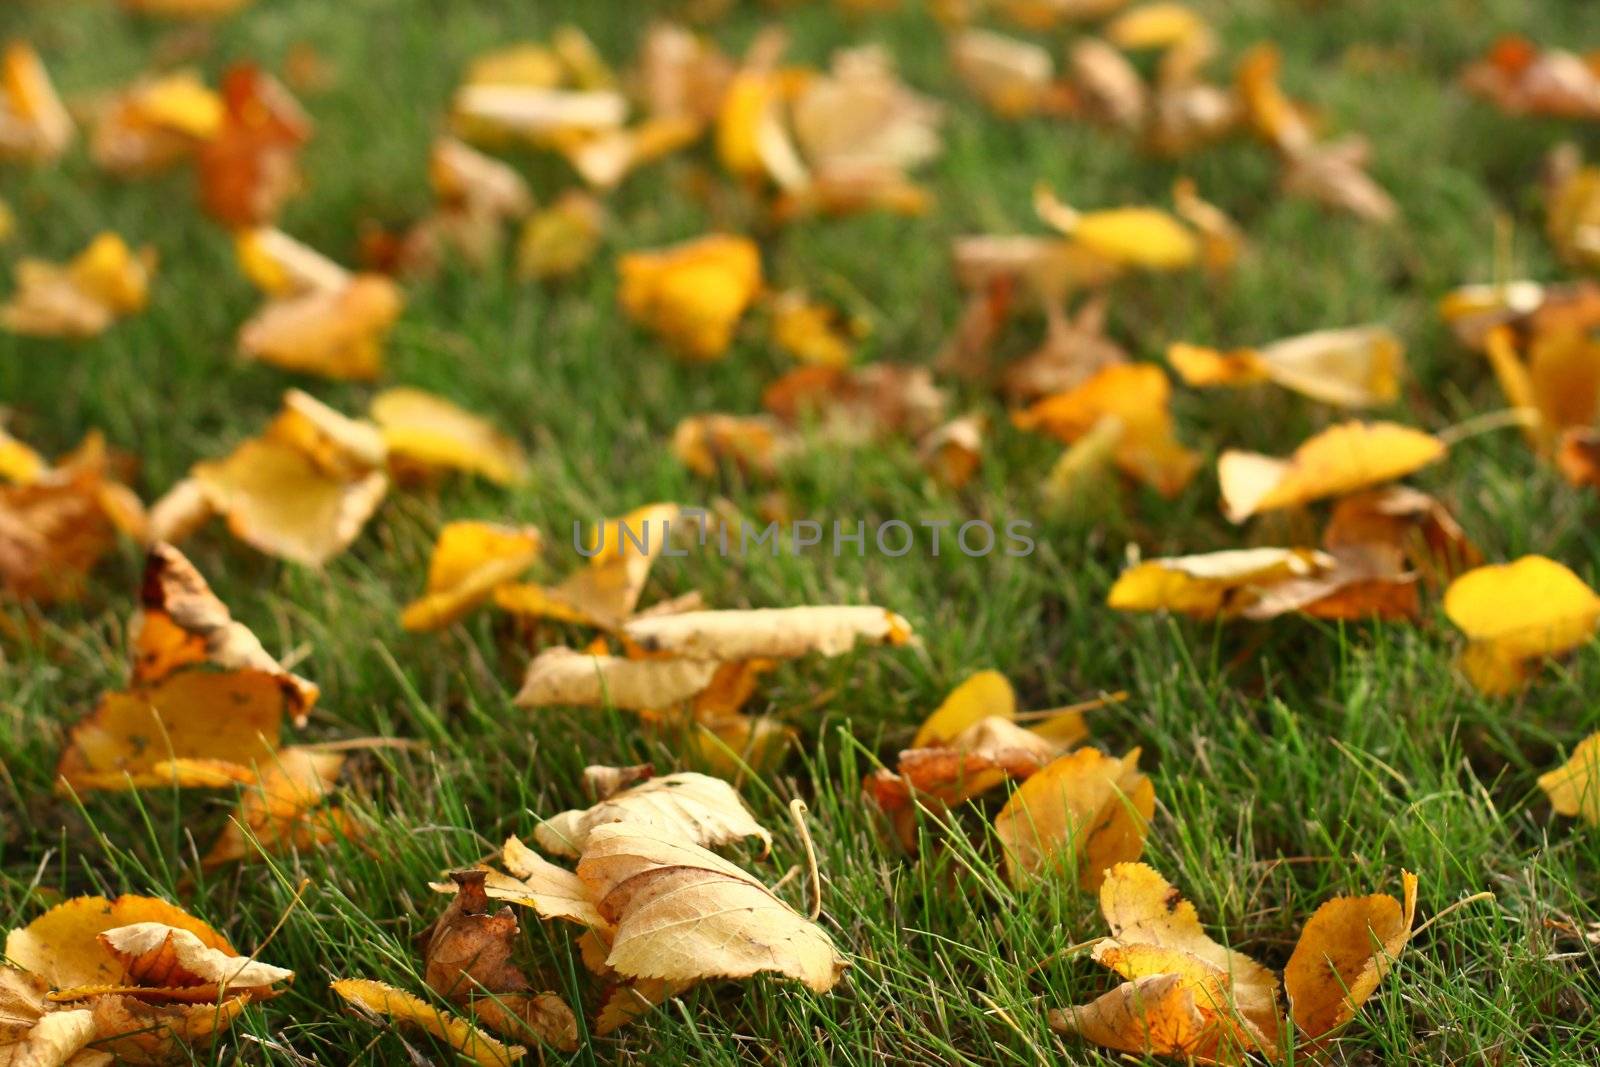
[(694, 807), (692, 294), (189, 9), (981, 696), (1129, 404), (605, 592), (336, 333), (1085, 810), (554, 892), (157, 956), (282, 809), (812, 332), (376, 998), (50, 1039), (1134, 236), (767, 633), (1515, 615), (280, 266), (1574, 787), (34, 125), (155, 123), (1339, 460), (1157, 1015), (1344, 952), (684, 914), (1211, 584), (1356, 367), (733, 746), (142, 1034), (470, 561), (104, 282), (562, 676)]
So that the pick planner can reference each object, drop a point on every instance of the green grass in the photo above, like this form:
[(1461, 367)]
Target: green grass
[(1293, 761)]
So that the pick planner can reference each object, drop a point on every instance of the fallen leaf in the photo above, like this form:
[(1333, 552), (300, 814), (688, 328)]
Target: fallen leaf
[(1579, 457), (1574, 787), (751, 444), (1186, 995), (283, 810), (683, 914), (378, 999), (154, 124), (694, 807), (1084, 811), (1142, 237), (1213, 584), (58, 521), (953, 452), (430, 432), (34, 125), (1523, 79), (206, 703), (1515, 616), (470, 561), (767, 633), (564, 677), (1012, 77), (104, 282), (1356, 367), (250, 167), (605, 592), (467, 961), (1335, 462), (1130, 404), (1345, 950), (301, 491), (692, 294), (812, 332), (336, 333)]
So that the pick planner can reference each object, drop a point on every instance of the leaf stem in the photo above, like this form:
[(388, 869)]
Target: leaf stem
[(797, 809)]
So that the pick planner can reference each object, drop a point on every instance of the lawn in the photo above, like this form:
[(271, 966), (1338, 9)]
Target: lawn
[(1293, 760)]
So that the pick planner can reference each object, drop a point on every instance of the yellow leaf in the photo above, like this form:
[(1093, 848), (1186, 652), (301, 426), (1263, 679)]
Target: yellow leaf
[(336, 333), (811, 332), (1344, 952), (470, 561), (380, 999), (692, 294), (104, 282), (562, 676), (685, 914), (282, 809), (34, 125), (1211, 584), (1154, 25), (982, 695), (1574, 787), (1515, 614), (1340, 460), (694, 807), (604, 593), (1135, 236), (753, 444), (1356, 367), (1086, 811), (428, 430), (279, 265), (767, 633)]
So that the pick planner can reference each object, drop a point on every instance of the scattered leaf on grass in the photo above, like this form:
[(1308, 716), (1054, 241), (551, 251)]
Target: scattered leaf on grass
[(692, 294), (1357, 367), (1574, 787), (694, 807), (376, 998), (470, 561), (1084, 812), (1337, 461), (1515, 616), (34, 124), (104, 282)]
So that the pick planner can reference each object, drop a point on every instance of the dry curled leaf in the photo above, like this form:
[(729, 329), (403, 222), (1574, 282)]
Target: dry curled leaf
[(694, 807), (767, 633), (1357, 367), (1345, 950), (470, 561), (1185, 995), (302, 491), (1574, 787), (378, 999), (34, 125), (683, 914), (564, 677), (752, 444), (605, 591), (1127, 406), (429, 432), (57, 521), (206, 702), (467, 960), (82, 298), (1515, 616), (159, 984), (1337, 461), (1084, 812)]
